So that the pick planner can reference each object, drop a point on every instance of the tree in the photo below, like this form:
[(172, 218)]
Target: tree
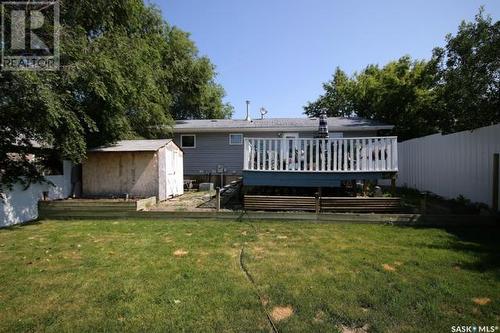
[(399, 93), (121, 72), (469, 69), (458, 89), (195, 95), (337, 99)]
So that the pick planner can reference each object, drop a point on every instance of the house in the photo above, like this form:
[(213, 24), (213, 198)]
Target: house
[(139, 168), (285, 151)]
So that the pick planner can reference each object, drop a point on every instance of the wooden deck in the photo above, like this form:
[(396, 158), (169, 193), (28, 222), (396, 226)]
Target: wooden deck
[(307, 162), (308, 179), (336, 155)]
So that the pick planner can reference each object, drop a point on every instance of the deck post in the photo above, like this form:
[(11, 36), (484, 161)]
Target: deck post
[(354, 187), (217, 199), (496, 165), (393, 185), (317, 199)]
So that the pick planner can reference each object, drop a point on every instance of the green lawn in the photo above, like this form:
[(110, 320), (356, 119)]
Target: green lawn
[(186, 276)]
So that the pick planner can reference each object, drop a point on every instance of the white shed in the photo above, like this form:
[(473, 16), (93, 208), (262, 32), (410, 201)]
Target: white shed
[(139, 168)]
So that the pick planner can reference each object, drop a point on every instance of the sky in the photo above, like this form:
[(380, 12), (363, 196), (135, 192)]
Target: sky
[(277, 53)]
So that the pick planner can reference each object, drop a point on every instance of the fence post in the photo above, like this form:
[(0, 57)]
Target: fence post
[(317, 199), (393, 185), (217, 199), (423, 202), (496, 165)]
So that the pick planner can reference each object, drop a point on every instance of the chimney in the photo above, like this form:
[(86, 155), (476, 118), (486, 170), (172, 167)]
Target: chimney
[(247, 118)]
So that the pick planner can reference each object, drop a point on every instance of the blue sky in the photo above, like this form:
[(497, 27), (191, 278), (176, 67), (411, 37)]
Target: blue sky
[(277, 53)]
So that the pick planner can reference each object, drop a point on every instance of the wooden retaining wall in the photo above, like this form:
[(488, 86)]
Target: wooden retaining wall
[(87, 207), (366, 205), (266, 202), (322, 204), (57, 210)]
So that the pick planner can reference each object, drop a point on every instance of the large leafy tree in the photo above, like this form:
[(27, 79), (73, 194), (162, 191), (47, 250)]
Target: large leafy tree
[(399, 93), (469, 70), (457, 89), (191, 84), (337, 98), (125, 73)]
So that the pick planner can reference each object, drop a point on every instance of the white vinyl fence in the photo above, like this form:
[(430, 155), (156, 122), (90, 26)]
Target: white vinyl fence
[(451, 165), (20, 205)]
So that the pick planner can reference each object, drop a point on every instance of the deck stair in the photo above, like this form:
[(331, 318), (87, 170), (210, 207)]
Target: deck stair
[(227, 192)]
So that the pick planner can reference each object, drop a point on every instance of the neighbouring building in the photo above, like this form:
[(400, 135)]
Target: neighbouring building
[(20, 204), (138, 168)]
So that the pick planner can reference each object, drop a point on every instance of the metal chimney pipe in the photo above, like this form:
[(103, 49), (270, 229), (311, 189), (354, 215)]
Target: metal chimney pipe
[(247, 118)]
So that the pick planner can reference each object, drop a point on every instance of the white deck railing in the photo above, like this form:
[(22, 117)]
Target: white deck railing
[(373, 154)]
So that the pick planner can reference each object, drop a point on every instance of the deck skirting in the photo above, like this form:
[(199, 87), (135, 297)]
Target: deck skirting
[(308, 179)]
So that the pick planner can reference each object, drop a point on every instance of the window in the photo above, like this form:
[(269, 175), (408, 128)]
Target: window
[(290, 135), (188, 141), (236, 139)]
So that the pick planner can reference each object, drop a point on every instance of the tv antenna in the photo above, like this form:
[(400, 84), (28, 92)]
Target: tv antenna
[(263, 112)]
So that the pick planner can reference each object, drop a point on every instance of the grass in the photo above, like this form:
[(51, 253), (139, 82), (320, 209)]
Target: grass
[(437, 205), (125, 276)]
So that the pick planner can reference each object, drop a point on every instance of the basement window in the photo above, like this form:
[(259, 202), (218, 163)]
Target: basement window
[(236, 139), (188, 141)]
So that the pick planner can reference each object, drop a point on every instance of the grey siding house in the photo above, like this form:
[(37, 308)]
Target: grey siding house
[(219, 146)]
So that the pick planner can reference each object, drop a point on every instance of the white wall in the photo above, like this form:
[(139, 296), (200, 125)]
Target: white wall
[(179, 172), (451, 165), (21, 205)]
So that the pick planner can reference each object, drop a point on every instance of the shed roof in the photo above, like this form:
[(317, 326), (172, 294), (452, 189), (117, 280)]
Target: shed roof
[(133, 145), (297, 124)]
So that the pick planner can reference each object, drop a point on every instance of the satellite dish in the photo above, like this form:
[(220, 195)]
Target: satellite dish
[(263, 112)]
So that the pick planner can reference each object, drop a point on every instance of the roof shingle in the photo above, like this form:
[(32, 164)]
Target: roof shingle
[(306, 124), (133, 145)]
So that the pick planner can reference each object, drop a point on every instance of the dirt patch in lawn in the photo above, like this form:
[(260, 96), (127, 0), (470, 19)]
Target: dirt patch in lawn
[(389, 268), (481, 300), (180, 253), (280, 313), (346, 329)]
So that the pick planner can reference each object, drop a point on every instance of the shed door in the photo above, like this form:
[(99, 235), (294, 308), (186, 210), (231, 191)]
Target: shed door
[(170, 170)]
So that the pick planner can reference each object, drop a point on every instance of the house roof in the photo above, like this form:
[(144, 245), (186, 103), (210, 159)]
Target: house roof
[(277, 124), (133, 145)]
